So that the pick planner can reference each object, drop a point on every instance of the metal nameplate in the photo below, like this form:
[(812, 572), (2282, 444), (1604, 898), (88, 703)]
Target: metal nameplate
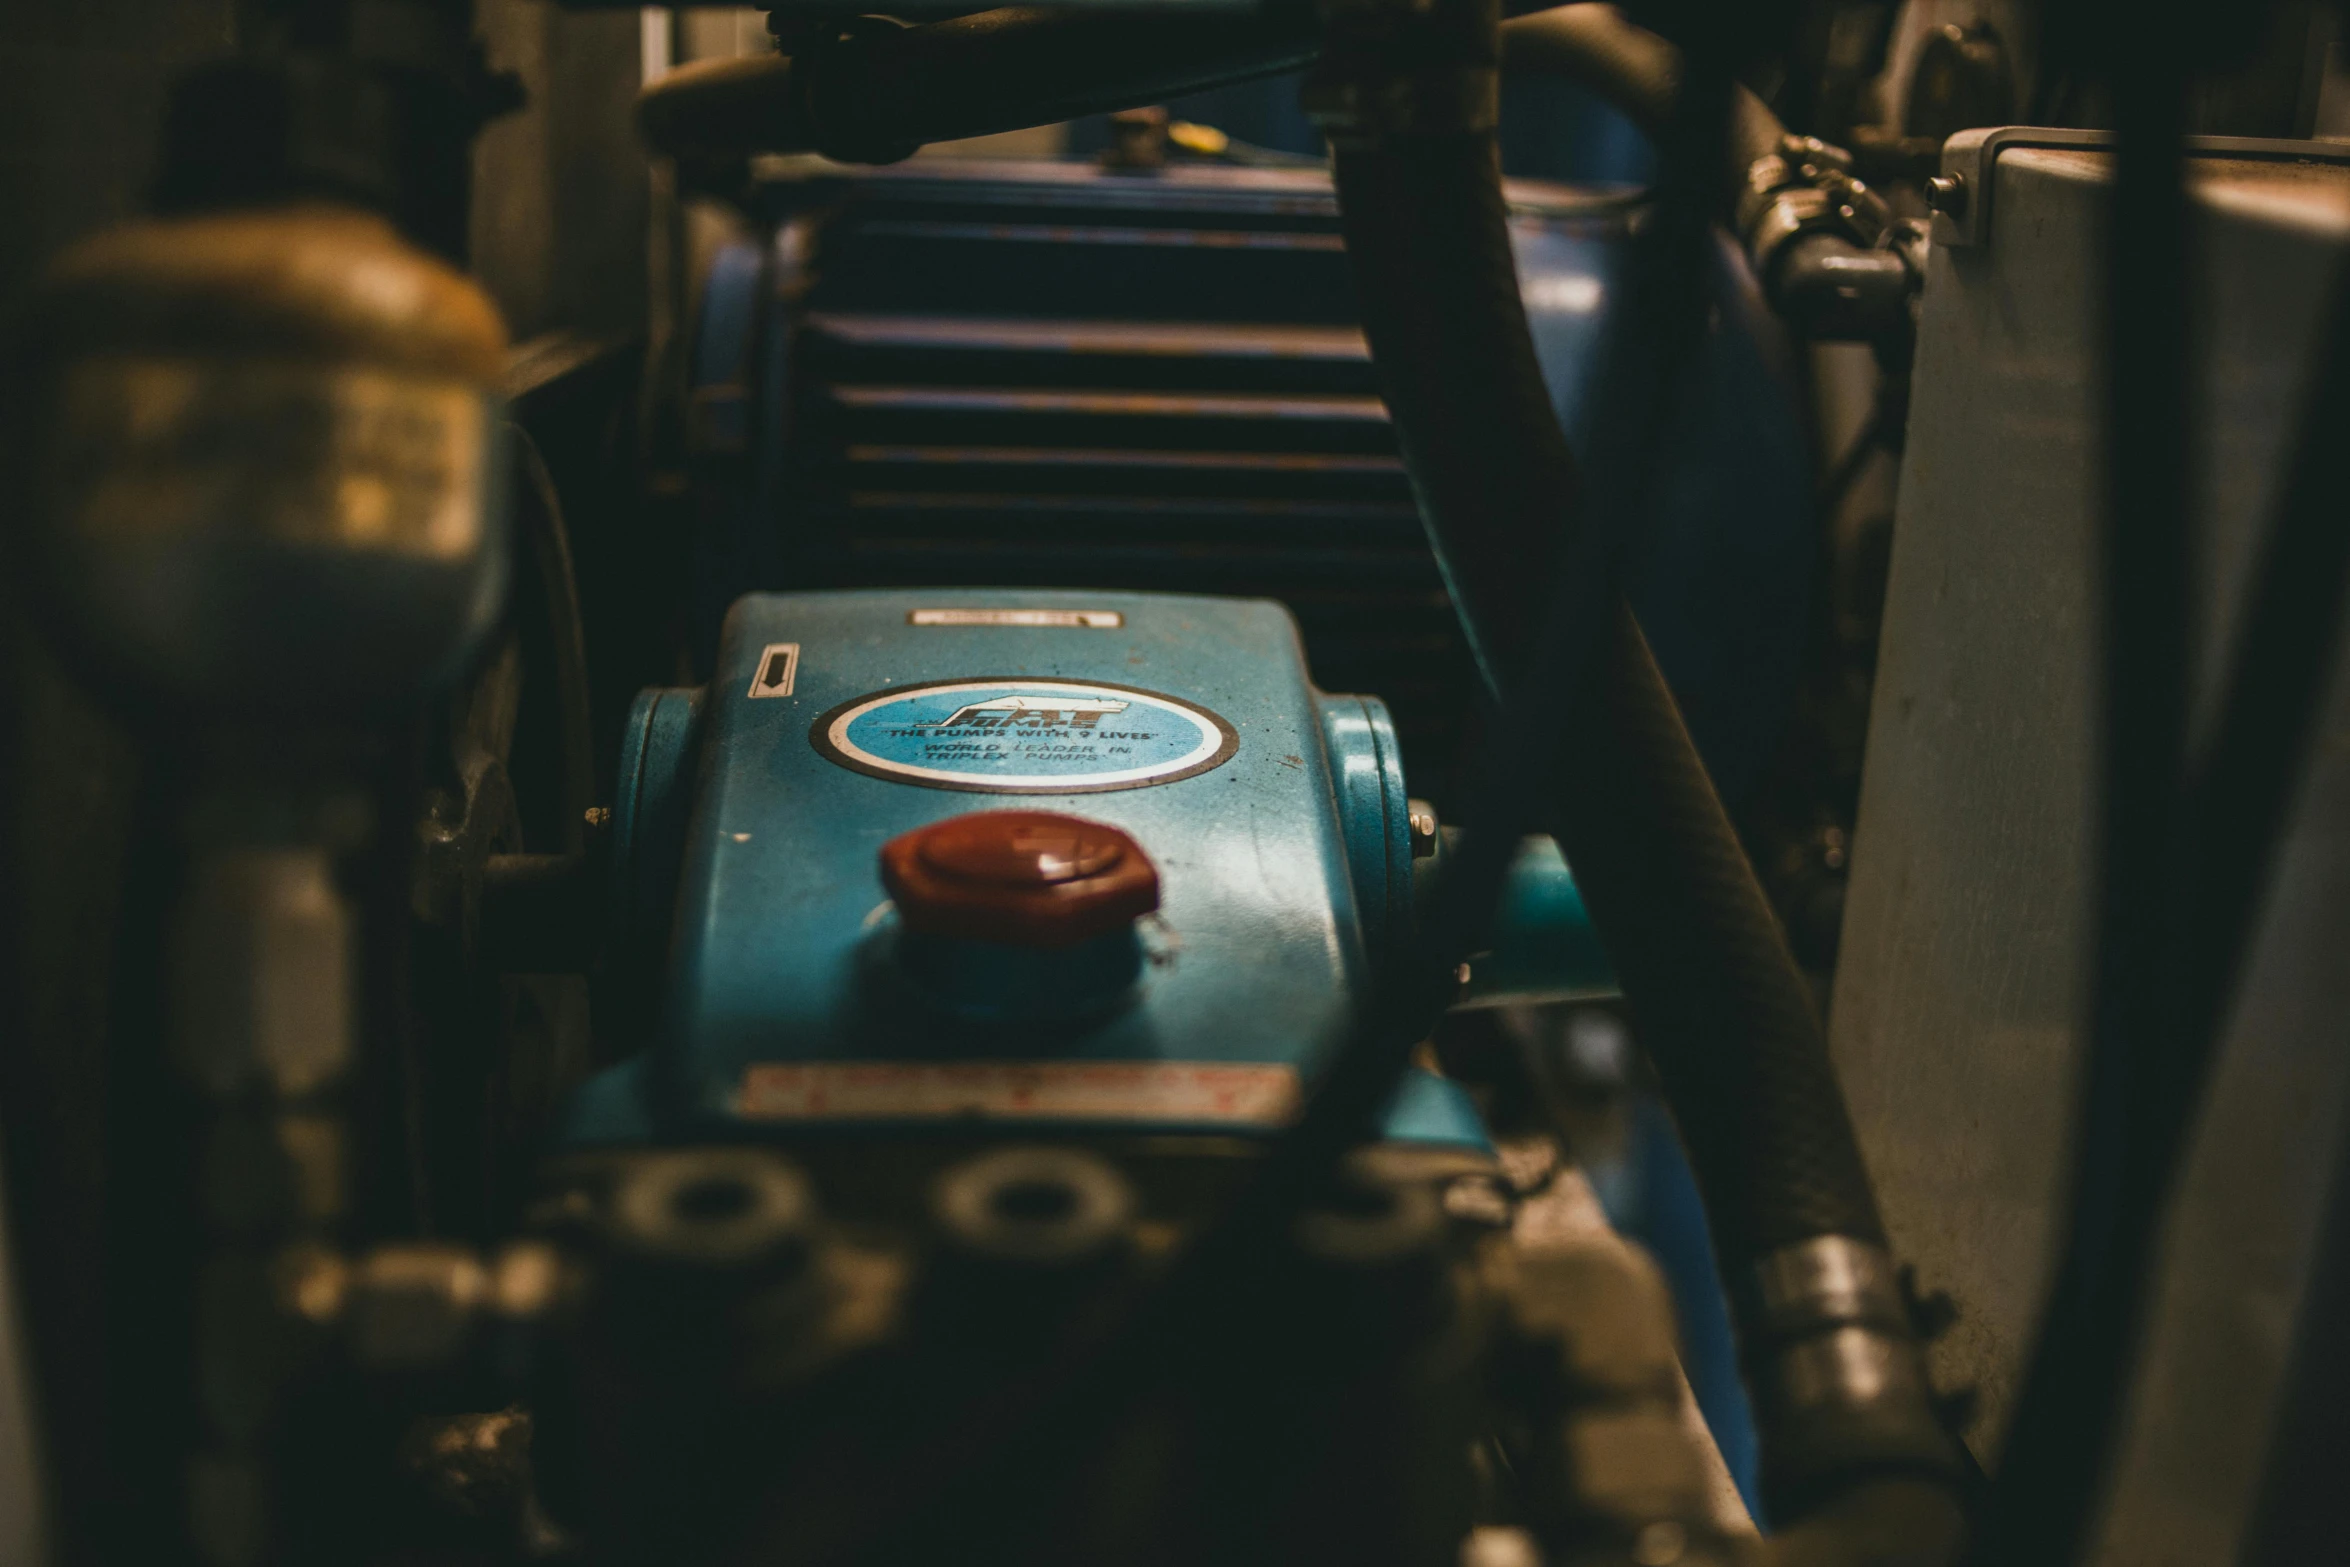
[(1132, 1091), (1087, 619)]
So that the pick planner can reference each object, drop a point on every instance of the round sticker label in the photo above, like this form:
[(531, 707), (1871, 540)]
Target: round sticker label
[(1022, 736)]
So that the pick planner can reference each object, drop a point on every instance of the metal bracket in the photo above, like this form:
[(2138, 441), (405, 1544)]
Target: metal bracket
[(1962, 213)]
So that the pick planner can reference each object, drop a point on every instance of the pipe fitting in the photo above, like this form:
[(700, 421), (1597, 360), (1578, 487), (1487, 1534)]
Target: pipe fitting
[(1825, 246), (1805, 187)]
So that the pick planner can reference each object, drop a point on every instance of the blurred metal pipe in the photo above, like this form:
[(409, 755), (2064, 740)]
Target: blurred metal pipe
[(879, 91)]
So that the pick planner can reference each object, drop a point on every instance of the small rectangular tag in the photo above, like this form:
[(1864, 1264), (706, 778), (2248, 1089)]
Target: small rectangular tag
[(1090, 619), (1134, 1091), (779, 666)]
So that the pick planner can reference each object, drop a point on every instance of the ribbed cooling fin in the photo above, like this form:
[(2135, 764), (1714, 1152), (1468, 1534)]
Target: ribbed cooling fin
[(1109, 383)]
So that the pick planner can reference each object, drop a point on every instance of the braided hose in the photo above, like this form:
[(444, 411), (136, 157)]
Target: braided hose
[(1724, 1011)]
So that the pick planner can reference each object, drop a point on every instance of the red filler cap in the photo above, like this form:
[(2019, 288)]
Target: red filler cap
[(1022, 878)]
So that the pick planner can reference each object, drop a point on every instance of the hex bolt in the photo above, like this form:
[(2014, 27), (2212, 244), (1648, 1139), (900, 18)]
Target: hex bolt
[(1422, 817), (713, 1210), (1036, 1206)]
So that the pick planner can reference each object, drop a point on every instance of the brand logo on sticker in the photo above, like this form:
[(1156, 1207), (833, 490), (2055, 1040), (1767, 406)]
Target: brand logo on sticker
[(1022, 736)]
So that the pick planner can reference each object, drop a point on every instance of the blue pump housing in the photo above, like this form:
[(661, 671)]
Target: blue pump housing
[(750, 816)]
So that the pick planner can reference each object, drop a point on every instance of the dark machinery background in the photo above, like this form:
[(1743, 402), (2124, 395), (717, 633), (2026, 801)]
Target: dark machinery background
[(786, 374)]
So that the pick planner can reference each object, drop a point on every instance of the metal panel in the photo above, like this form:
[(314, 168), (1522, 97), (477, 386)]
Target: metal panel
[(1958, 1002)]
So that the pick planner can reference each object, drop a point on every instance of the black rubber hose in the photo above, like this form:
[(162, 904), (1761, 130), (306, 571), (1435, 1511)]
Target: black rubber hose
[(1724, 1010), (1725, 1013), (1722, 1004)]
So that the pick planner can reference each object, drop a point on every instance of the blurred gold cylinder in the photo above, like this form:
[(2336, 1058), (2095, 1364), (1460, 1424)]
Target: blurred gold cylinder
[(258, 469)]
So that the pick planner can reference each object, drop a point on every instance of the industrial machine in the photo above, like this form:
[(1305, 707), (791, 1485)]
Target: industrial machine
[(1136, 857)]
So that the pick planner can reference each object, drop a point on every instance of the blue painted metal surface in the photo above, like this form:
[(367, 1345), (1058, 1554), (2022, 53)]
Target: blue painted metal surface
[(1432, 1109), (781, 946), (997, 983), (1544, 948), (650, 811), (1374, 810)]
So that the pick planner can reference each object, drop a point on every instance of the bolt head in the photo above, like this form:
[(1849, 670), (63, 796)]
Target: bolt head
[(1422, 817)]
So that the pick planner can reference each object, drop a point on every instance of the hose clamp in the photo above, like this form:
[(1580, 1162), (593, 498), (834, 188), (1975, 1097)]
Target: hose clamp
[(1840, 1387), (1849, 1368), (1825, 1282), (1835, 1331)]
